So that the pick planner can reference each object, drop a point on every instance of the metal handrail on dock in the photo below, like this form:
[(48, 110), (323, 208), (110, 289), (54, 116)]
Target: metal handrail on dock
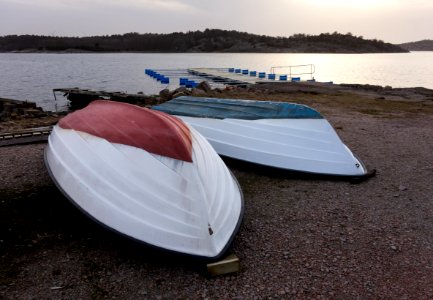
[(310, 71)]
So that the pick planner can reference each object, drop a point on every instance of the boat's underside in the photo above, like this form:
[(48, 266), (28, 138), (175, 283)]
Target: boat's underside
[(307, 145), (190, 207), (277, 134)]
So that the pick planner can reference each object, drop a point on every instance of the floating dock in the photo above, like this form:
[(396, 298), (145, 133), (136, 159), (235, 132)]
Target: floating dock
[(231, 76), (225, 77), (236, 76), (221, 76)]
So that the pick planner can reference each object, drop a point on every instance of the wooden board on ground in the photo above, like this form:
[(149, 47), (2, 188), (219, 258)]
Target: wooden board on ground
[(230, 264)]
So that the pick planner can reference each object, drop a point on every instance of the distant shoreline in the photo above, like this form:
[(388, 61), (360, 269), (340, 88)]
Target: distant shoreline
[(78, 51)]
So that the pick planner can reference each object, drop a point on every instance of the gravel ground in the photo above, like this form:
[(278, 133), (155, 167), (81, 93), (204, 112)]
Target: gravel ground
[(301, 237)]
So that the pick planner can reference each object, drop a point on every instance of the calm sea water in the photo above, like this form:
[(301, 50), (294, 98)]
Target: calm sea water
[(33, 76)]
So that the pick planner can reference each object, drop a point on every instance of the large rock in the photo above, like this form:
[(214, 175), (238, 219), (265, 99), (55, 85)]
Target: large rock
[(181, 89), (179, 94), (204, 86), (198, 92), (165, 94)]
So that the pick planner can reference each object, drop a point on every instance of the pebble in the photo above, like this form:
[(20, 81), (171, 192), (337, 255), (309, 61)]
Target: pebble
[(402, 188)]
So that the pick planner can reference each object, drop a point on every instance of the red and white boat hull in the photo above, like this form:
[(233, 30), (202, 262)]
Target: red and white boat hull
[(192, 207)]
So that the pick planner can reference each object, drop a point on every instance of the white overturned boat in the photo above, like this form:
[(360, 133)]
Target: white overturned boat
[(277, 134), (147, 175)]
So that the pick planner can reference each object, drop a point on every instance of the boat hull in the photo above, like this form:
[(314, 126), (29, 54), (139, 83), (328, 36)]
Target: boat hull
[(193, 208), (276, 134), (310, 146)]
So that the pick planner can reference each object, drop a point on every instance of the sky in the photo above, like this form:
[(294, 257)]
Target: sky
[(394, 21)]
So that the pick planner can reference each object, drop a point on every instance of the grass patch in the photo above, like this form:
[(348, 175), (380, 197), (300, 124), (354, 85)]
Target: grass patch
[(342, 100)]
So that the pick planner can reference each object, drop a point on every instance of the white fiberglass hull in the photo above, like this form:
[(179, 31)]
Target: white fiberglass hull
[(307, 145), (192, 208)]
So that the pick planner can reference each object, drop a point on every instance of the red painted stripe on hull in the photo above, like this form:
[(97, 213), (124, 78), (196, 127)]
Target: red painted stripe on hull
[(153, 131)]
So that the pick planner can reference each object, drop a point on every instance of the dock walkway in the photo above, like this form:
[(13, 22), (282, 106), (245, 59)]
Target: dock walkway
[(225, 77), (232, 76)]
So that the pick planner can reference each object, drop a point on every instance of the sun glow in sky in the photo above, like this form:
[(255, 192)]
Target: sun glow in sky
[(394, 21), (361, 4)]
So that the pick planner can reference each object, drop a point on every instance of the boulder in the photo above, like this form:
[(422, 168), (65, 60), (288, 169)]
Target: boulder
[(181, 89), (179, 94), (165, 94), (198, 92), (204, 86)]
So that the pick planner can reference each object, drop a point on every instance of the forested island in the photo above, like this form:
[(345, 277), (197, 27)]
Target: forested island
[(424, 45), (209, 40)]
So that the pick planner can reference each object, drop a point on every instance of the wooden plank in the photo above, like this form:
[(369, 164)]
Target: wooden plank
[(23, 140), (230, 264), (25, 136)]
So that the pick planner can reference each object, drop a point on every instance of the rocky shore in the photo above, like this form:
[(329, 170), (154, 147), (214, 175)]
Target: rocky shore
[(302, 236)]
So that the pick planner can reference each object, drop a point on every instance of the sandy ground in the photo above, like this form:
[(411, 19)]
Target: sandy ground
[(301, 237)]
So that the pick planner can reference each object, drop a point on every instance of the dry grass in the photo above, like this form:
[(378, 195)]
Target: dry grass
[(347, 102)]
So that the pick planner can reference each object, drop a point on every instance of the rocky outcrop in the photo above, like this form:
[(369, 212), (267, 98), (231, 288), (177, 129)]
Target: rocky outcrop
[(204, 86), (15, 109), (203, 89)]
